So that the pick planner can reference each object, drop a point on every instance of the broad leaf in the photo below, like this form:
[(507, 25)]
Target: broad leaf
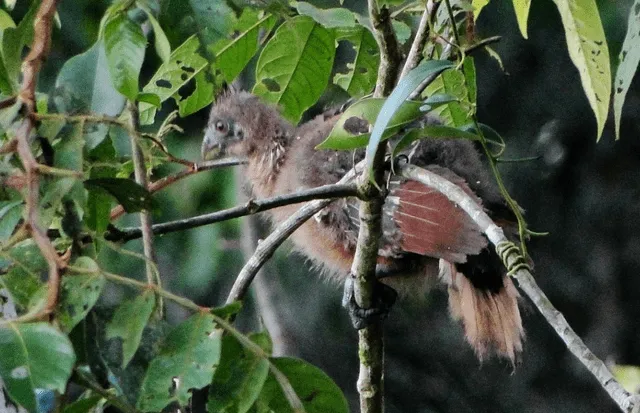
[(329, 18), (452, 82), (161, 43), (363, 71), (187, 360), (34, 356), (124, 44), (589, 52), (399, 95), (629, 59), (129, 194), (128, 323), (240, 376), (318, 393), (21, 273), (232, 55), (79, 293), (14, 39), (10, 215), (522, 15), (84, 86), (294, 67), (183, 65), (351, 130)]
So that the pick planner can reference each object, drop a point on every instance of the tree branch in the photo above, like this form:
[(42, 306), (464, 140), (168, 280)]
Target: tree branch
[(267, 247), (415, 54), (388, 44), (30, 68), (626, 402), (252, 207), (195, 168)]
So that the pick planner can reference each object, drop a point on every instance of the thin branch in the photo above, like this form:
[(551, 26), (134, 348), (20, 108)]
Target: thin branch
[(162, 183), (389, 51), (626, 402), (422, 34), (267, 247), (85, 379), (30, 68), (140, 172), (264, 289), (251, 207), (482, 43)]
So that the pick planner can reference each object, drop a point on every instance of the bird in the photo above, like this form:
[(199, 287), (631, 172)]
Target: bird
[(425, 240)]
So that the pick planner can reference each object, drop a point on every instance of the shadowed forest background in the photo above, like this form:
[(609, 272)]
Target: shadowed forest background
[(585, 194)]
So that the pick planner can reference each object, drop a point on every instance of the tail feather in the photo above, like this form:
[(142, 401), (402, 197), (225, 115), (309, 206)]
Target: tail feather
[(491, 320)]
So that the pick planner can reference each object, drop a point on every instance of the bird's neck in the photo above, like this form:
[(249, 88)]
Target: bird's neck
[(265, 165)]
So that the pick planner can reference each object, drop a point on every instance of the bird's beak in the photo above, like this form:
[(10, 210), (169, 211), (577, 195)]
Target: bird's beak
[(211, 148)]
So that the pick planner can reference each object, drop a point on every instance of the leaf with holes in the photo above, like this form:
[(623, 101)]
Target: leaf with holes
[(629, 59), (79, 292), (34, 356), (400, 93), (125, 45), (240, 376), (129, 321), (589, 53), (129, 194), (21, 270), (183, 65), (351, 130), (316, 390), (294, 67), (187, 360), (363, 71)]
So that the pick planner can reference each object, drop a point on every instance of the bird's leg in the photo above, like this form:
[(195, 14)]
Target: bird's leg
[(383, 299)]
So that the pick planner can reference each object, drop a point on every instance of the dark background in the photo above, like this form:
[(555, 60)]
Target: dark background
[(585, 194)]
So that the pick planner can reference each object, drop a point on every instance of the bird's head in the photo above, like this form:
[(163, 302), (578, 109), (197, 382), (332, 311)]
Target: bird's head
[(241, 125)]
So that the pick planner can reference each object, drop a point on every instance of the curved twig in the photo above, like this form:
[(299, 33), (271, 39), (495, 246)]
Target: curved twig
[(267, 247), (626, 401)]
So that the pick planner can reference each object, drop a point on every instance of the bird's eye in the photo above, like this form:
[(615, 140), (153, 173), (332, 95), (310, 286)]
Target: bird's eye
[(221, 126)]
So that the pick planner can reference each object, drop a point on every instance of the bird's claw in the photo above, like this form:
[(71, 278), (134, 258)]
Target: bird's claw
[(383, 299)]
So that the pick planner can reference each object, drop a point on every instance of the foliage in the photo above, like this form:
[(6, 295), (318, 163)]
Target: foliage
[(91, 119)]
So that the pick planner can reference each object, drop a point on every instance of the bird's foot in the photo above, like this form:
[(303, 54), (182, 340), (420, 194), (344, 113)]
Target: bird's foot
[(383, 299)]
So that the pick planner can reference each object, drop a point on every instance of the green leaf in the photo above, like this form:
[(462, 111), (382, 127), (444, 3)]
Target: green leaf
[(13, 42), (84, 86), (478, 5), (21, 273), (629, 59), (10, 215), (213, 19), (201, 96), (294, 67), (350, 132), (161, 43), (329, 18), (318, 393), (129, 194), (402, 29), (432, 131), (399, 95), (125, 45), (232, 55), (182, 66), (522, 15), (469, 71), (363, 71), (6, 83), (227, 310), (452, 82), (187, 360), (150, 98), (34, 356), (589, 52), (239, 378), (79, 293), (128, 323)]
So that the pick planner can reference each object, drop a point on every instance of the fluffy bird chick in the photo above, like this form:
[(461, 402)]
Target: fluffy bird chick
[(425, 237)]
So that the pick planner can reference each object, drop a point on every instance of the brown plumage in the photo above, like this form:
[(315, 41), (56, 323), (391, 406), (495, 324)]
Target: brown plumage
[(425, 237)]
